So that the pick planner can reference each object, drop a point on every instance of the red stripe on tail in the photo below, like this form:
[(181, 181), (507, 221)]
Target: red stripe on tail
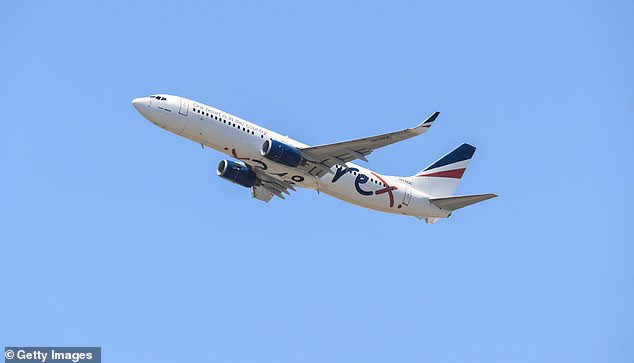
[(456, 173)]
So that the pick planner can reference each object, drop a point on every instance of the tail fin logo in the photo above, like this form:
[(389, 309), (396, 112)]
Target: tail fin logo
[(452, 165)]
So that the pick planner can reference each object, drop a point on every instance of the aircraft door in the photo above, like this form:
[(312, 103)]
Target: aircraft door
[(408, 196), (184, 106)]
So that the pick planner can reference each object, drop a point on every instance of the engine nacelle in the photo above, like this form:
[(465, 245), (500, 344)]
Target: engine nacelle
[(237, 173), (281, 153)]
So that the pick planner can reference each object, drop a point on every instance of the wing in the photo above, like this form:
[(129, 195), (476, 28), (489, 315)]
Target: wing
[(321, 158)]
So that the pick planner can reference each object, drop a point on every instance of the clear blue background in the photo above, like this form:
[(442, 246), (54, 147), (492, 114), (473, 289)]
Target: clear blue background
[(118, 234)]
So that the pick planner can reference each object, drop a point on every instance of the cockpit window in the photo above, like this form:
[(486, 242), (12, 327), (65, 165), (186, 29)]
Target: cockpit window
[(159, 98)]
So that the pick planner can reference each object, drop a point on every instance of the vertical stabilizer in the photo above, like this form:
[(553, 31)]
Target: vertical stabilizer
[(441, 178)]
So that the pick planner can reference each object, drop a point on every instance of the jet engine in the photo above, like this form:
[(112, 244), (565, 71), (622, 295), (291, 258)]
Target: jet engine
[(281, 153), (237, 173)]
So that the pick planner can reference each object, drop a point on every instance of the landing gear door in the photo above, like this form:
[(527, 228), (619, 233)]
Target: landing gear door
[(184, 106), (408, 196)]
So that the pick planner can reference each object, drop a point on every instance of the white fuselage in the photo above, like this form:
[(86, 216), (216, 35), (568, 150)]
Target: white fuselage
[(243, 140)]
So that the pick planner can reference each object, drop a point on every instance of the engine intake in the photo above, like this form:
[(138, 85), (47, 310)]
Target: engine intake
[(236, 173), (281, 153)]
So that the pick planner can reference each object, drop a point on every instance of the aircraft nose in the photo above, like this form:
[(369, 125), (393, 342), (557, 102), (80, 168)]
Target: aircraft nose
[(139, 103)]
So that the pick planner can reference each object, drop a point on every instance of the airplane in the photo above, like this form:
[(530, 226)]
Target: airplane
[(272, 165)]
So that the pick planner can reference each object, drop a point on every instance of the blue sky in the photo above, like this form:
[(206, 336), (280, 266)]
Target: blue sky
[(118, 234)]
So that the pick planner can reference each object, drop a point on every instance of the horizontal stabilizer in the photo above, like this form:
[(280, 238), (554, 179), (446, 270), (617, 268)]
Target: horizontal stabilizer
[(460, 201)]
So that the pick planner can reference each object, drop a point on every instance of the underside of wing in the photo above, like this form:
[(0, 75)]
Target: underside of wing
[(268, 186), (321, 158), (263, 185)]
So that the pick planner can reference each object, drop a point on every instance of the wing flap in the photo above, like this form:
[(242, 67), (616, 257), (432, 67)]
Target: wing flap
[(259, 192), (269, 186)]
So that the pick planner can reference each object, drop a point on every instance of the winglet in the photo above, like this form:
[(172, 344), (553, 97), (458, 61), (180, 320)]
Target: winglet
[(425, 125)]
